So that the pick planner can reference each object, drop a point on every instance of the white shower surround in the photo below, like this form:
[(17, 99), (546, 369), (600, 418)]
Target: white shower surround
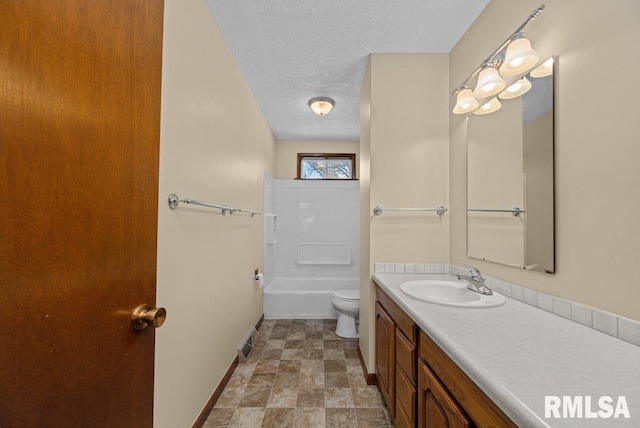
[(312, 215), (303, 298)]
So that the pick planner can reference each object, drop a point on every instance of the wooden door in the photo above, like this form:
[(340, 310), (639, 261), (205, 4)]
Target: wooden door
[(385, 357), (80, 88), (436, 408)]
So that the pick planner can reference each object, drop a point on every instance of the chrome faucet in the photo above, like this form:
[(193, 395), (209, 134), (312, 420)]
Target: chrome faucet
[(475, 282)]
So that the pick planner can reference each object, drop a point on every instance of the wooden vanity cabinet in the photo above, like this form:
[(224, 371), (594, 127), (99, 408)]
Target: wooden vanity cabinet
[(445, 390), (396, 352), (385, 357), (420, 384), (436, 407)]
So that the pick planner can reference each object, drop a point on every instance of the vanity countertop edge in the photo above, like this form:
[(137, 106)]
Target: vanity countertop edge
[(518, 354)]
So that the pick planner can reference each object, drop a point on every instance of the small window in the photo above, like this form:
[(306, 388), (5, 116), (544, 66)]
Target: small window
[(327, 166)]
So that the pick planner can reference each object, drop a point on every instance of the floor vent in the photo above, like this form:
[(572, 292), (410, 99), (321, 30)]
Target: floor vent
[(247, 344)]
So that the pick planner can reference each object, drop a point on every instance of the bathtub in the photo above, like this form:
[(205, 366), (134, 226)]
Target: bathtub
[(291, 298)]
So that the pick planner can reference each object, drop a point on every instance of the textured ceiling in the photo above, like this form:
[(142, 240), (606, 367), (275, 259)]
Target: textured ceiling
[(290, 51)]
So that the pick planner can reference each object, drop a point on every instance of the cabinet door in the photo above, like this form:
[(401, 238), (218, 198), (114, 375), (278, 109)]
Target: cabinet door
[(436, 408), (385, 357)]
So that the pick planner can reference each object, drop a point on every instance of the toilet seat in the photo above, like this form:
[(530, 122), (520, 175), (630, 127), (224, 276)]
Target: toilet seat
[(348, 295)]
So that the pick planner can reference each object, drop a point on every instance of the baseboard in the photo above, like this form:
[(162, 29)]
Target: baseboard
[(204, 414), (371, 377), (259, 323)]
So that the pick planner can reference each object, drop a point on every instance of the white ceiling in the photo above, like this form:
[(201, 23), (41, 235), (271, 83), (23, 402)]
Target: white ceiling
[(290, 51)]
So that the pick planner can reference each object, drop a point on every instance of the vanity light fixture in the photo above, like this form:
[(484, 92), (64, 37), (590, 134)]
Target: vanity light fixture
[(465, 103), (514, 57), (489, 82), (321, 105), (543, 70), (493, 105), (519, 88), (520, 56)]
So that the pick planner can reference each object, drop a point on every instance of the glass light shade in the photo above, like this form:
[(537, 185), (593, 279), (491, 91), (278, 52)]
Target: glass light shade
[(543, 70), (519, 58), (489, 83), (465, 103), (489, 107), (321, 105), (521, 87)]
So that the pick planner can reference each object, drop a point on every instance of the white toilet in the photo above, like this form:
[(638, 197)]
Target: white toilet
[(347, 305)]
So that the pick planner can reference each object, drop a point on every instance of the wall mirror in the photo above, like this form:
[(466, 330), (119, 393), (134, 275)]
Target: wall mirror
[(510, 173)]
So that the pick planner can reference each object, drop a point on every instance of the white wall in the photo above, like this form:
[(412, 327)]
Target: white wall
[(310, 211), (596, 145), (286, 155), (215, 145)]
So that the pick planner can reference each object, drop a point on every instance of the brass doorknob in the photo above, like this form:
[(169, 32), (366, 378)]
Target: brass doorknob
[(143, 315)]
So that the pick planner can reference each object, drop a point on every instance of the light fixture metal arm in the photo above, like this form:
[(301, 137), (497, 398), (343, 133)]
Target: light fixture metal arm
[(492, 58)]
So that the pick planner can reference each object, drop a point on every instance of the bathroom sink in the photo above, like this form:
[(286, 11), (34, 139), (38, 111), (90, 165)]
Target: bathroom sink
[(450, 293)]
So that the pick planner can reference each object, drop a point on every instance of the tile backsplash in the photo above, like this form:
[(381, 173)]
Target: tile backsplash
[(605, 322)]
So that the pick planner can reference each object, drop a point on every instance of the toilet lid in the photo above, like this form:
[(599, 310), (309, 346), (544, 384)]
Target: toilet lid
[(348, 294)]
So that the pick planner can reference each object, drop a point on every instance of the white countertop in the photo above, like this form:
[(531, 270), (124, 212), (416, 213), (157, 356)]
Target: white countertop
[(518, 354)]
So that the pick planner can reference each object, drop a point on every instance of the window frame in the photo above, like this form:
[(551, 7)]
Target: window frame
[(331, 156)]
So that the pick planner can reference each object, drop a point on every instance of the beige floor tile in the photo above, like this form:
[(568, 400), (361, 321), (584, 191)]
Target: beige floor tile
[(271, 354), (357, 380), (283, 397), (239, 380), (261, 380), (311, 366), (311, 380), (278, 418), (301, 364), (218, 418), (247, 418), (275, 344), (266, 366), (255, 397), (290, 366), (366, 397), (310, 397), (371, 418), (335, 366), (308, 417), (333, 354), (291, 354), (296, 335), (286, 380), (230, 398), (312, 354), (336, 380), (338, 398), (313, 344), (340, 418), (333, 344)]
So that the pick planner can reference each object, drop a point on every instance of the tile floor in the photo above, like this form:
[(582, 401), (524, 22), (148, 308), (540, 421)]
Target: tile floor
[(300, 374)]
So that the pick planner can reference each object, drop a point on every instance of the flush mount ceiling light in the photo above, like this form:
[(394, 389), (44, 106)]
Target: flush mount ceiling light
[(465, 102), (489, 82), (521, 87), (513, 58), (321, 105), (543, 70), (490, 107)]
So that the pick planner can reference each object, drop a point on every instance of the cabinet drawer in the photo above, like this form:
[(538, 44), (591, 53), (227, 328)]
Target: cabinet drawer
[(402, 320), (476, 404), (405, 398), (406, 356)]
